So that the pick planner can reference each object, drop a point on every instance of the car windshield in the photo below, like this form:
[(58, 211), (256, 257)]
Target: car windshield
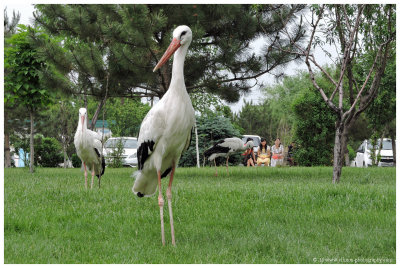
[(387, 145), (128, 143), (256, 140), (131, 144)]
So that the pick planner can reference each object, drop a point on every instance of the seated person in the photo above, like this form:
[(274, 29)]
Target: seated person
[(290, 159), (264, 153), (277, 153), (249, 158)]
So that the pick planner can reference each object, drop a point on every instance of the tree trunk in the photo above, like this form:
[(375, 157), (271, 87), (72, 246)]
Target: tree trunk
[(393, 137), (197, 145), (31, 153), (338, 152), (7, 153), (96, 114), (65, 156), (346, 159)]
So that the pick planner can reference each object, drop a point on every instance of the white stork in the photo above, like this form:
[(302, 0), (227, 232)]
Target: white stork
[(88, 147), (226, 147), (166, 130)]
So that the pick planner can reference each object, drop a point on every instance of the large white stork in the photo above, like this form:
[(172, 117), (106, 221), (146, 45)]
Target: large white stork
[(226, 147), (166, 130), (88, 147)]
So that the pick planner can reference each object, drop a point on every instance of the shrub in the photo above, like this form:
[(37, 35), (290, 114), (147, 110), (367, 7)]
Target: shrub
[(210, 130), (115, 158), (76, 161), (352, 153), (314, 129), (48, 152)]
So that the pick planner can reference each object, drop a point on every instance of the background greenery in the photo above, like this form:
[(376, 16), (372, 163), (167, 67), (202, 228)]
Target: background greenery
[(107, 51), (254, 215)]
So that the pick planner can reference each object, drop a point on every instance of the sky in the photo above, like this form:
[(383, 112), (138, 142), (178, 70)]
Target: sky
[(255, 95)]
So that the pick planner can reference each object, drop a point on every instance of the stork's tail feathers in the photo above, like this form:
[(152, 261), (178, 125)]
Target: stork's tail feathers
[(103, 167)]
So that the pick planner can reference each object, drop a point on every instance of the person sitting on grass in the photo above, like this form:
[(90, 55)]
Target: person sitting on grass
[(277, 153), (264, 153), (290, 159), (249, 158)]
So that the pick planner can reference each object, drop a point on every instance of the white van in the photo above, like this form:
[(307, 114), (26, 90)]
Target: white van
[(363, 157), (256, 141)]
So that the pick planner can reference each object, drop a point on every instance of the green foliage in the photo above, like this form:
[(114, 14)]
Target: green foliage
[(255, 119), (352, 153), (60, 121), (48, 152), (205, 104), (76, 161), (382, 110), (254, 215), (133, 37), (125, 116), (210, 130), (23, 83), (115, 158), (10, 26), (314, 129)]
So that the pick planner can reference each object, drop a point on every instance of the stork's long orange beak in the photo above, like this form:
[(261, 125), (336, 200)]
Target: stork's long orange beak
[(83, 121), (175, 44)]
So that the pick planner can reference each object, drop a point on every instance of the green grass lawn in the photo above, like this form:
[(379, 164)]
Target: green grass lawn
[(254, 215)]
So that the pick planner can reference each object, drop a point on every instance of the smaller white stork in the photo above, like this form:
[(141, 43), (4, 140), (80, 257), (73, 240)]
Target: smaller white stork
[(226, 147), (88, 147)]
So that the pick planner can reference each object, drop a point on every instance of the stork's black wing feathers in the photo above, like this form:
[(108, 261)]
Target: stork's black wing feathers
[(216, 149), (103, 167), (103, 163), (97, 152), (166, 172), (143, 152)]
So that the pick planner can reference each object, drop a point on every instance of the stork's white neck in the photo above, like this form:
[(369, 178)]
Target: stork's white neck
[(177, 79)]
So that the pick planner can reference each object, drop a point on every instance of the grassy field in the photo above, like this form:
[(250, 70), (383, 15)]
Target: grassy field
[(254, 215)]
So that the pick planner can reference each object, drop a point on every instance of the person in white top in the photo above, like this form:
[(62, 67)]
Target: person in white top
[(277, 153)]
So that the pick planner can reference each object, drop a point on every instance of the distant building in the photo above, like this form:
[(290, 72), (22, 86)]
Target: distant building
[(99, 127), (19, 161)]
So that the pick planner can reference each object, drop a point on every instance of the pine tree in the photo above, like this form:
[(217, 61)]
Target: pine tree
[(113, 48)]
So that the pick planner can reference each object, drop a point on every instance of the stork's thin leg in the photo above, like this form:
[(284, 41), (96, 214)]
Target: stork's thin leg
[(169, 197), (84, 168), (161, 205), (91, 185), (227, 171), (216, 173)]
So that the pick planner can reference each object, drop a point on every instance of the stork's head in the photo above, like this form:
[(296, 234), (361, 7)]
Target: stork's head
[(82, 117), (182, 36), (249, 144)]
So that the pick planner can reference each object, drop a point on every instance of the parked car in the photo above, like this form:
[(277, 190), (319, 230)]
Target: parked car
[(363, 157), (256, 141), (129, 155)]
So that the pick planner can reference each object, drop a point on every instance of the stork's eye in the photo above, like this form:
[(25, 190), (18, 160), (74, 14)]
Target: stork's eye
[(182, 34)]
